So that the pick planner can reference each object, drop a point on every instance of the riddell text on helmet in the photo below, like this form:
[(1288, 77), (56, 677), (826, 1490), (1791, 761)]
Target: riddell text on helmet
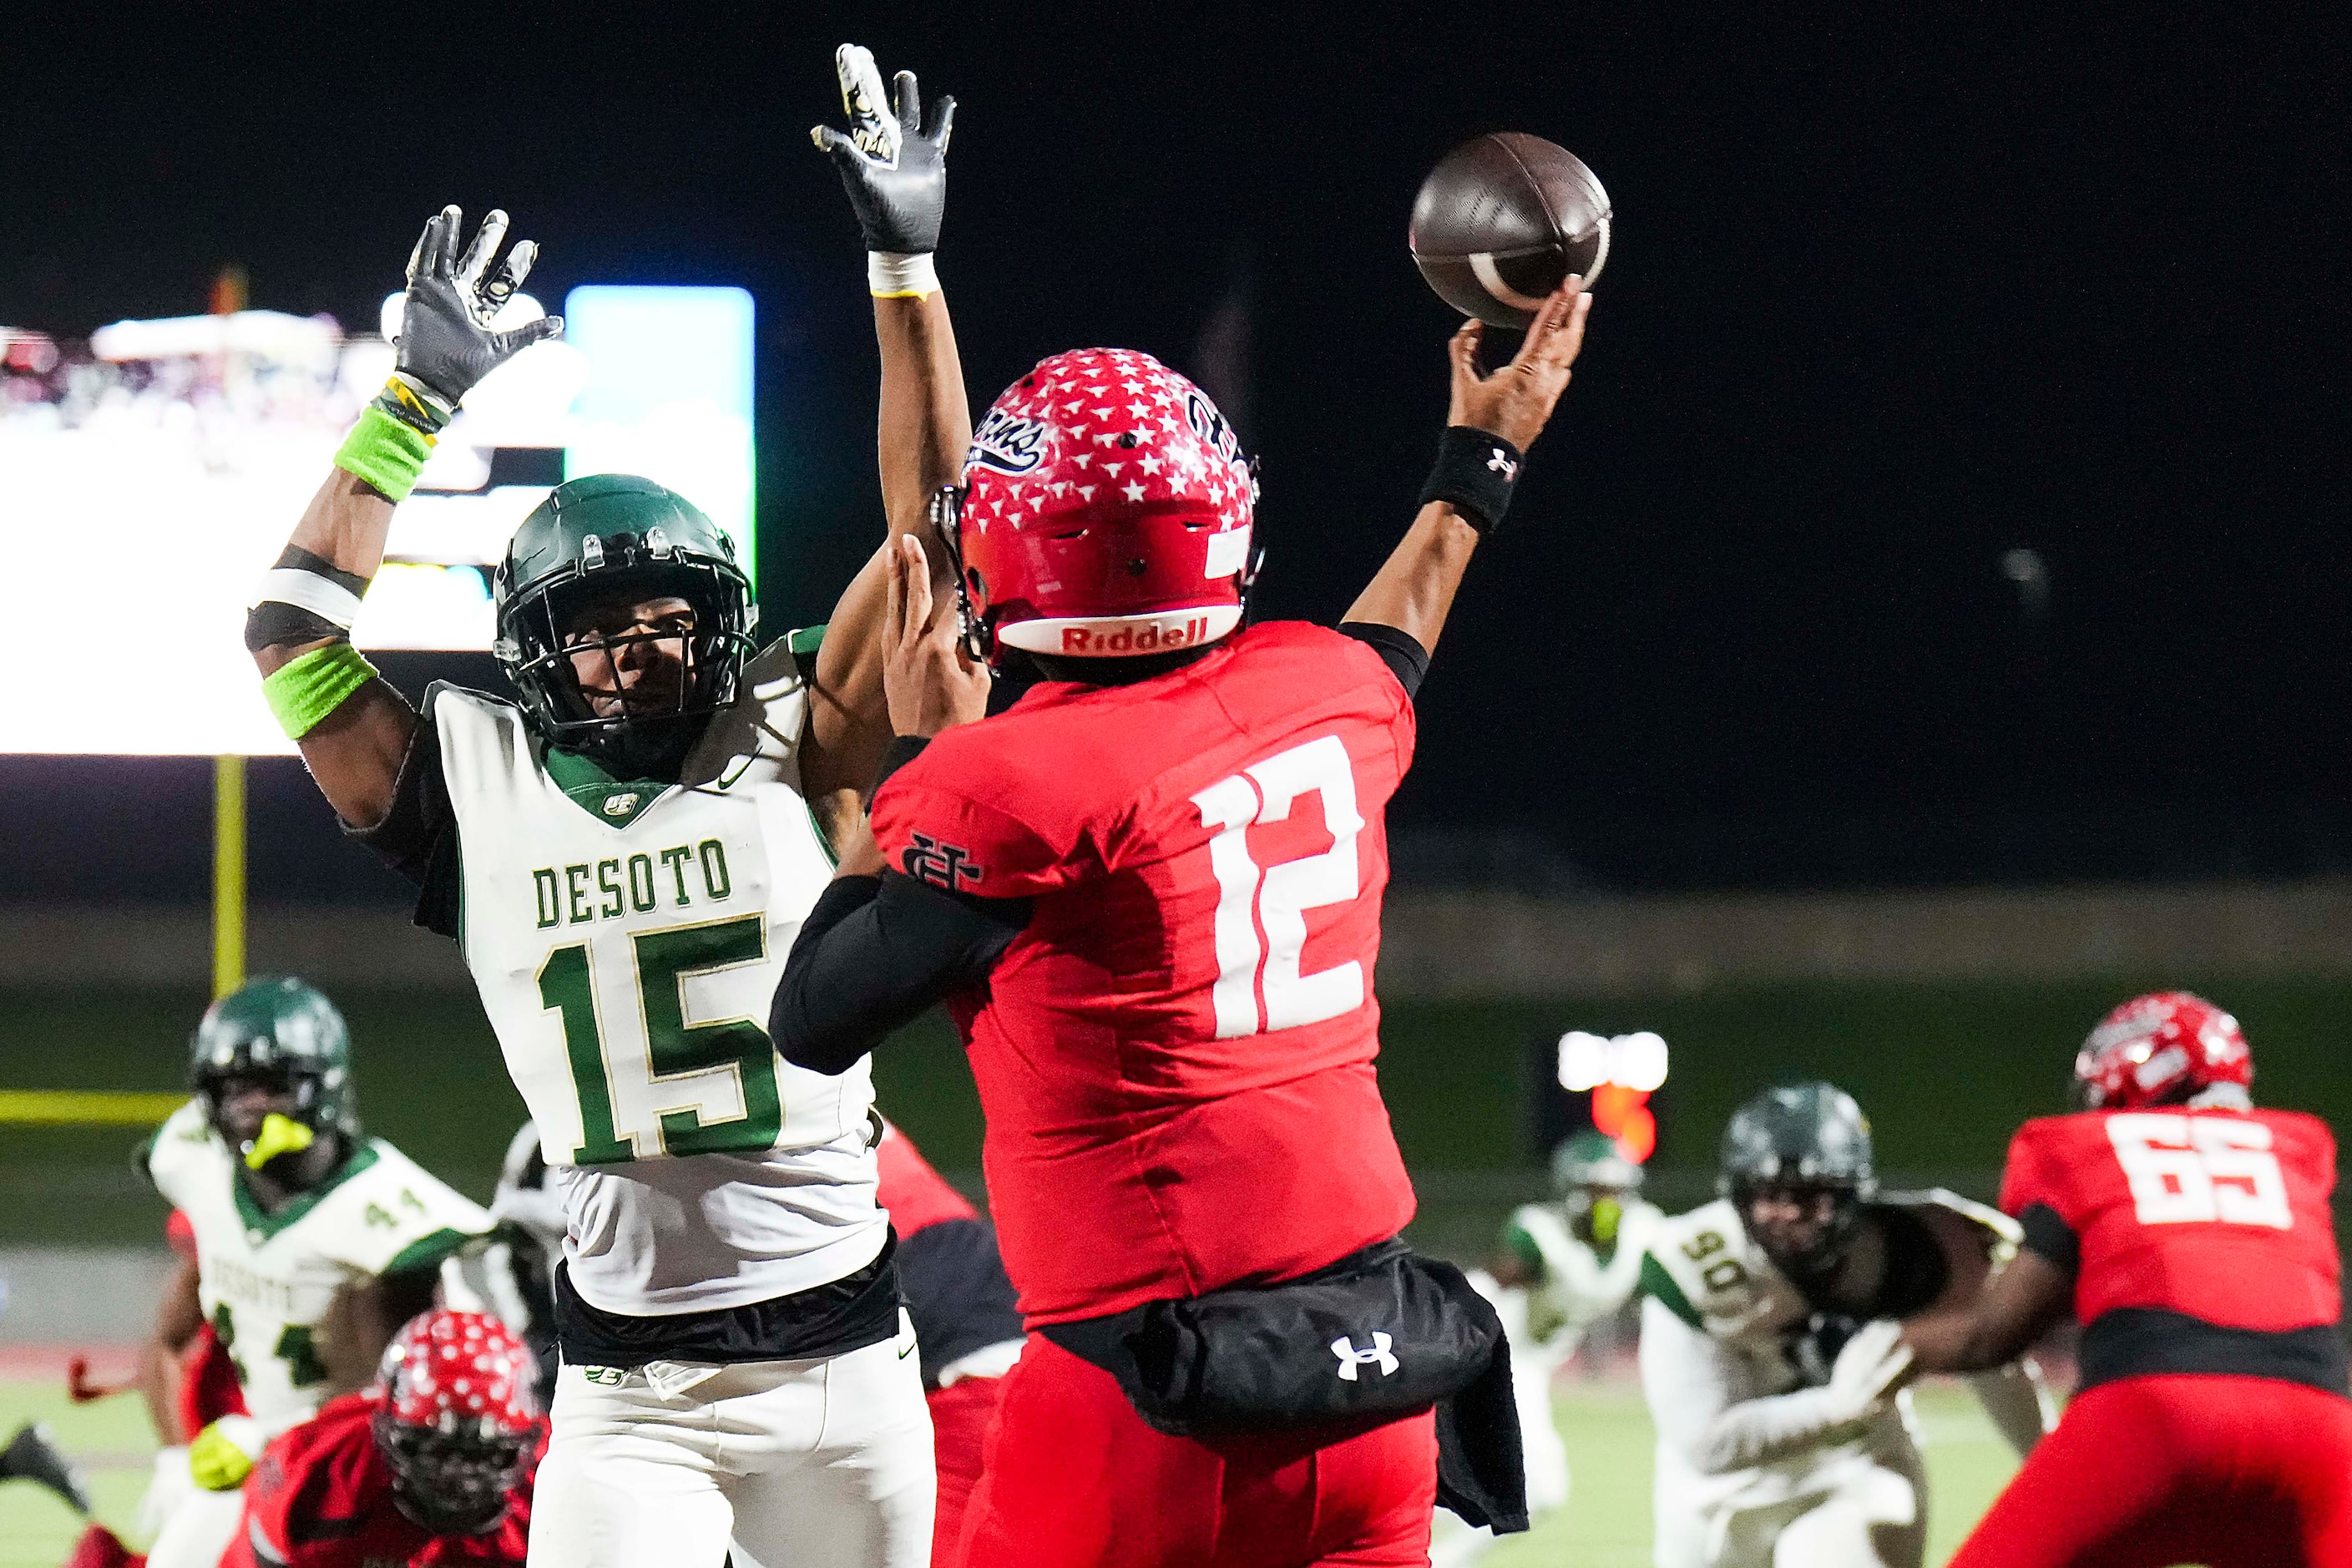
[(1135, 639)]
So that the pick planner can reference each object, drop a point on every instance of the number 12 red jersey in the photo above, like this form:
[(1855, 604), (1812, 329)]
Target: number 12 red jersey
[(1175, 1057)]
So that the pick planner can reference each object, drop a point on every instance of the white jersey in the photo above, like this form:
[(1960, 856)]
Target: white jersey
[(627, 940), (1745, 1320), (268, 1282), (1575, 1287)]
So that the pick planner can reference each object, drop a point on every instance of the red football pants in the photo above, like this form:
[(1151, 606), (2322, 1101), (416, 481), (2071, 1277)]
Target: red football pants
[(960, 1417), (1073, 1478), (2233, 1472)]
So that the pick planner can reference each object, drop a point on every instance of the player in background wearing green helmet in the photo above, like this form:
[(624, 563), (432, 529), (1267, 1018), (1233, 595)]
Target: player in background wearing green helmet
[(314, 1244), (1563, 1266), (624, 852), (1770, 1352)]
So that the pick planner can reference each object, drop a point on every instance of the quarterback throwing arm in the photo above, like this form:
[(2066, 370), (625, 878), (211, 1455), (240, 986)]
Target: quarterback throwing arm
[(1084, 878)]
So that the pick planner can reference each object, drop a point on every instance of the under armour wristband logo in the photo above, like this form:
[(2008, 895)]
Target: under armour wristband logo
[(947, 865), (1503, 465)]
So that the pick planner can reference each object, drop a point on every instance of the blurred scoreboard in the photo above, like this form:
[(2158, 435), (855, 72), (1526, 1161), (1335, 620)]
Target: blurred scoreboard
[(145, 487)]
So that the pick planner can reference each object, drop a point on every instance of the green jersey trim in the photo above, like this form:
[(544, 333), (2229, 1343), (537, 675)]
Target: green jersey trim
[(1657, 1282), (1523, 1246), (614, 802), (804, 643), (249, 1210), (428, 1252)]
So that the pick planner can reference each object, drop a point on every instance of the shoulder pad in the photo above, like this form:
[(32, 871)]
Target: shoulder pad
[(1703, 1267), (2002, 1227)]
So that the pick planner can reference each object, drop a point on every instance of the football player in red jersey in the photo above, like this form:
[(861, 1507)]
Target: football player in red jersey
[(431, 1465), (1149, 892), (966, 1320), (2190, 1235)]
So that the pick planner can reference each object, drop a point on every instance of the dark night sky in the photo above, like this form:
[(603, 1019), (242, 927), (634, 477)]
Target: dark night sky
[(1885, 301)]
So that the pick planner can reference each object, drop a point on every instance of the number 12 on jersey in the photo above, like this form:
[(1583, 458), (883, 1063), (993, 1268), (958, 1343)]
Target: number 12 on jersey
[(1274, 898), (661, 962)]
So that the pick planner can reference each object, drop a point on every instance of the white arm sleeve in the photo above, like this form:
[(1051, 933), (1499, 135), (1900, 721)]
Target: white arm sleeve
[(1696, 1392), (2017, 1401)]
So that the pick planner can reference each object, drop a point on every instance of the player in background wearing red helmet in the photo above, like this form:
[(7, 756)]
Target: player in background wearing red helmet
[(431, 1465), (1149, 892), (2190, 1235)]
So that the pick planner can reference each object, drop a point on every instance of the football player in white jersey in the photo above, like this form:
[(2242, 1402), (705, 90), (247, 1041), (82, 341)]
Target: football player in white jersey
[(1770, 1356), (314, 1242), (624, 853), (1563, 1267)]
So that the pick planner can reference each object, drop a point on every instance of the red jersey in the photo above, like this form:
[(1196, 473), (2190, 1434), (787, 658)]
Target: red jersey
[(1175, 1056), (916, 1196), (2187, 1220), (322, 1498)]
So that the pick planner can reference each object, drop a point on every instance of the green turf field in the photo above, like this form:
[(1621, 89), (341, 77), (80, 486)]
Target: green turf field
[(1605, 1525)]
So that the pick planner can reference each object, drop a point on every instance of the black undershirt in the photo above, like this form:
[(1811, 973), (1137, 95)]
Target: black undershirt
[(876, 952)]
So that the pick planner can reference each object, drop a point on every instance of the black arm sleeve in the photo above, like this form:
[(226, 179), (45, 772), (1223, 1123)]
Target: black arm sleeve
[(1399, 651), (418, 836), (876, 952), (2049, 1234)]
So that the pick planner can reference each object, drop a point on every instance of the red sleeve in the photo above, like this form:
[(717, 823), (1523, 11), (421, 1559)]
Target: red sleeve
[(2025, 1181), (181, 1234), (952, 817), (915, 1194), (317, 1471)]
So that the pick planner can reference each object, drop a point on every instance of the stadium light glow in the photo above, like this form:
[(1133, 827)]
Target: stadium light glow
[(184, 448)]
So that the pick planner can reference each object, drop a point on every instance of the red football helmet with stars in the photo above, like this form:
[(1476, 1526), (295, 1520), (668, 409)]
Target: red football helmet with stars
[(1106, 512), (2161, 1049), (458, 1416)]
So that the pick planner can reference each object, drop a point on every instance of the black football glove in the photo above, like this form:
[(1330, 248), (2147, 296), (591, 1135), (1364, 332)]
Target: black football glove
[(446, 344), (894, 168)]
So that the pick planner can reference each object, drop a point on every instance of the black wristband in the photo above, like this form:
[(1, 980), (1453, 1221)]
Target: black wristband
[(902, 750), (1474, 474)]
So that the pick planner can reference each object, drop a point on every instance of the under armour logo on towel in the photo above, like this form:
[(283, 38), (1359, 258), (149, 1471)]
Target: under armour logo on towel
[(1351, 1358), (1502, 465)]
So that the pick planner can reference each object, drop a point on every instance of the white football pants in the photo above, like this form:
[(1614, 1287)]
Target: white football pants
[(791, 1464), (200, 1527), (1873, 1515)]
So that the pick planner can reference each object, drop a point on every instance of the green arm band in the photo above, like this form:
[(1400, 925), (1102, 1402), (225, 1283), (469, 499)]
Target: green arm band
[(384, 452), (303, 691)]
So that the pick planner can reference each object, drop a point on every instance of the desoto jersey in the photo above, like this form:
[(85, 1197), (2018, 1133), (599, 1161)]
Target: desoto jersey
[(2199, 1240), (1175, 1056), (1575, 1287), (627, 939), (267, 1281)]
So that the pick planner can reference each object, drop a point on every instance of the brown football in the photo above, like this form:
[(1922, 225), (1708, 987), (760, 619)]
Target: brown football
[(1501, 219)]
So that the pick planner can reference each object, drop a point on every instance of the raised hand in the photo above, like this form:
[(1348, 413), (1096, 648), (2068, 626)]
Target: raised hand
[(1517, 401), (446, 344), (931, 678), (894, 166)]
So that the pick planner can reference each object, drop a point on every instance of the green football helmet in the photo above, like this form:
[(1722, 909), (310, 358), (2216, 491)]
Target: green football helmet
[(278, 1026), (1591, 1159), (1809, 1136), (589, 538)]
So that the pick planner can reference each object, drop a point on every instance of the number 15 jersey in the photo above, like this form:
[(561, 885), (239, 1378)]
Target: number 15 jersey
[(1175, 1055), (626, 938)]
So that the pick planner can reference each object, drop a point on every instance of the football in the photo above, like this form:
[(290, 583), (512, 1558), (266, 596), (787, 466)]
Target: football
[(1501, 219)]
